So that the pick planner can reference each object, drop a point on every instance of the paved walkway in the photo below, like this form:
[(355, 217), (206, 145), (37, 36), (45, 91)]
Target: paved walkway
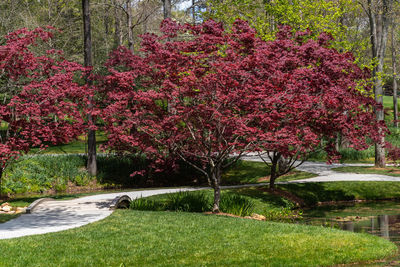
[(56, 215), (326, 174), (59, 215)]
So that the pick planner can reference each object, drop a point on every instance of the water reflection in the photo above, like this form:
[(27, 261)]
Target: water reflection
[(377, 218), (386, 226)]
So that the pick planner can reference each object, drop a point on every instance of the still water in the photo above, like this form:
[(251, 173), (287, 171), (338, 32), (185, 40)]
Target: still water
[(377, 218)]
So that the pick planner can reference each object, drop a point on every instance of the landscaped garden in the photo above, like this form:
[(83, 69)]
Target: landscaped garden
[(139, 238), (207, 124)]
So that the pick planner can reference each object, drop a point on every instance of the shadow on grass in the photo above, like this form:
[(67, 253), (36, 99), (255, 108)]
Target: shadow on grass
[(312, 193), (265, 197)]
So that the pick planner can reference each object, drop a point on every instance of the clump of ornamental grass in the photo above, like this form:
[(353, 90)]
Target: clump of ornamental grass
[(236, 204)]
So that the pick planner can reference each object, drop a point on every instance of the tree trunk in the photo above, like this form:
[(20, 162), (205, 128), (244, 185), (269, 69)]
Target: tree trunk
[(217, 198), (129, 20), (167, 8), (394, 66), (274, 172), (379, 23), (216, 179), (283, 165), (1, 184), (118, 32), (91, 163)]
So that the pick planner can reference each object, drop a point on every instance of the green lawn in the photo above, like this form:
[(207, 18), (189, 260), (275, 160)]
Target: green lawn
[(263, 202), (389, 170), (78, 146), (137, 238), (249, 172)]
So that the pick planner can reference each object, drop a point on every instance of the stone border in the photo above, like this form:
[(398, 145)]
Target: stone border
[(120, 202), (35, 203)]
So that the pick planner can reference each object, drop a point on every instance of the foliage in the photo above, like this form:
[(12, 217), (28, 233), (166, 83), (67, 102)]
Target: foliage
[(236, 204), (314, 97), (42, 100), (146, 204), (188, 202), (393, 153), (221, 92), (169, 238), (193, 106), (334, 17), (33, 174)]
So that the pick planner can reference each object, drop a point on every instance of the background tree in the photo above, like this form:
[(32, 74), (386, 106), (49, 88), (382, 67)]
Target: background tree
[(394, 72), (214, 94), (310, 94), (379, 13), (44, 105), (185, 99), (91, 144)]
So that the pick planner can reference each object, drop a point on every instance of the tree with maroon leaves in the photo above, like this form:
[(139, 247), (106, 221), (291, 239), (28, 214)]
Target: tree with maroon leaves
[(41, 99), (206, 96), (185, 99), (311, 94)]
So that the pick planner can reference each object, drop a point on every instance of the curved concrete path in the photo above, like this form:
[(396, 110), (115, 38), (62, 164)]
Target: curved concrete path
[(58, 215), (326, 174)]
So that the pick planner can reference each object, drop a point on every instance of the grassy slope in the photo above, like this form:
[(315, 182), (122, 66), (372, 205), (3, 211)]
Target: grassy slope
[(249, 172), (390, 171), (263, 201), (338, 191), (136, 238)]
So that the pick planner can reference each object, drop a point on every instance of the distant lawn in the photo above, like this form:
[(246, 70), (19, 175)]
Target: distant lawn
[(136, 238), (250, 172), (389, 170), (388, 102), (7, 217), (75, 147), (312, 193)]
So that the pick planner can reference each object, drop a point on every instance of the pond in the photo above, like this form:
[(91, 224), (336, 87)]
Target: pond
[(377, 218)]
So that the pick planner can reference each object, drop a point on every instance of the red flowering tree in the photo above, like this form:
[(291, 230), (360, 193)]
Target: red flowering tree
[(311, 93), (40, 98), (206, 96), (186, 98)]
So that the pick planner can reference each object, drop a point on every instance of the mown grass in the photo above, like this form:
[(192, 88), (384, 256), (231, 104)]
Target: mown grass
[(312, 193), (389, 170), (76, 147), (139, 238), (249, 172)]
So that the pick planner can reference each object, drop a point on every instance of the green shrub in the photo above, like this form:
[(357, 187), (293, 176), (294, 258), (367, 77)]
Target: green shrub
[(188, 202), (117, 170), (40, 173), (236, 204), (146, 204)]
